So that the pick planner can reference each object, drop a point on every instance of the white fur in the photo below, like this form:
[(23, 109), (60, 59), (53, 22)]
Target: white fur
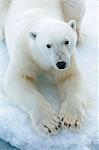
[(74, 9), (29, 26)]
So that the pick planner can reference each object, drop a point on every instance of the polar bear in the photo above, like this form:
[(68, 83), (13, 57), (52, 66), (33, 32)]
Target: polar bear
[(38, 40)]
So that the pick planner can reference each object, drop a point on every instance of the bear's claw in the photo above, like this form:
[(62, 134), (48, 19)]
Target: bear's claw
[(54, 125), (72, 123)]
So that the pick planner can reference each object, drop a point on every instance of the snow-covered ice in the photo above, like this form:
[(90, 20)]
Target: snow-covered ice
[(15, 125)]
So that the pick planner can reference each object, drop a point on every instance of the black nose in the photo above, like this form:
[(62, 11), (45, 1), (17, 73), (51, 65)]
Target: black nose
[(61, 65)]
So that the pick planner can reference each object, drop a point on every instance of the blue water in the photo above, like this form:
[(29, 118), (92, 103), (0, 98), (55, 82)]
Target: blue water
[(6, 146)]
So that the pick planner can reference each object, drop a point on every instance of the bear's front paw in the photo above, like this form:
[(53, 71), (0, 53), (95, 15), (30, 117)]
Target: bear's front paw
[(50, 123), (73, 118), (72, 121)]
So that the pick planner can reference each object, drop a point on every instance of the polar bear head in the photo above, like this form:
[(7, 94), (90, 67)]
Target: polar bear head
[(53, 43)]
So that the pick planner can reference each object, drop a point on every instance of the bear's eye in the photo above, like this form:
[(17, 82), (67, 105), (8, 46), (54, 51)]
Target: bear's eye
[(49, 46), (66, 42)]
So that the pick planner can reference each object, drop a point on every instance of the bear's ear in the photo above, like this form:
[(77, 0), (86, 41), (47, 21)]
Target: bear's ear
[(72, 23), (33, 35)]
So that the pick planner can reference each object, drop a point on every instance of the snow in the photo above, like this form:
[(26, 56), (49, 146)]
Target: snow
[(15, 125)]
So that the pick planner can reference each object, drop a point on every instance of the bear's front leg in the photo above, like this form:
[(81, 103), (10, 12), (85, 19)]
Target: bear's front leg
[(74, 101), (23, 92)]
